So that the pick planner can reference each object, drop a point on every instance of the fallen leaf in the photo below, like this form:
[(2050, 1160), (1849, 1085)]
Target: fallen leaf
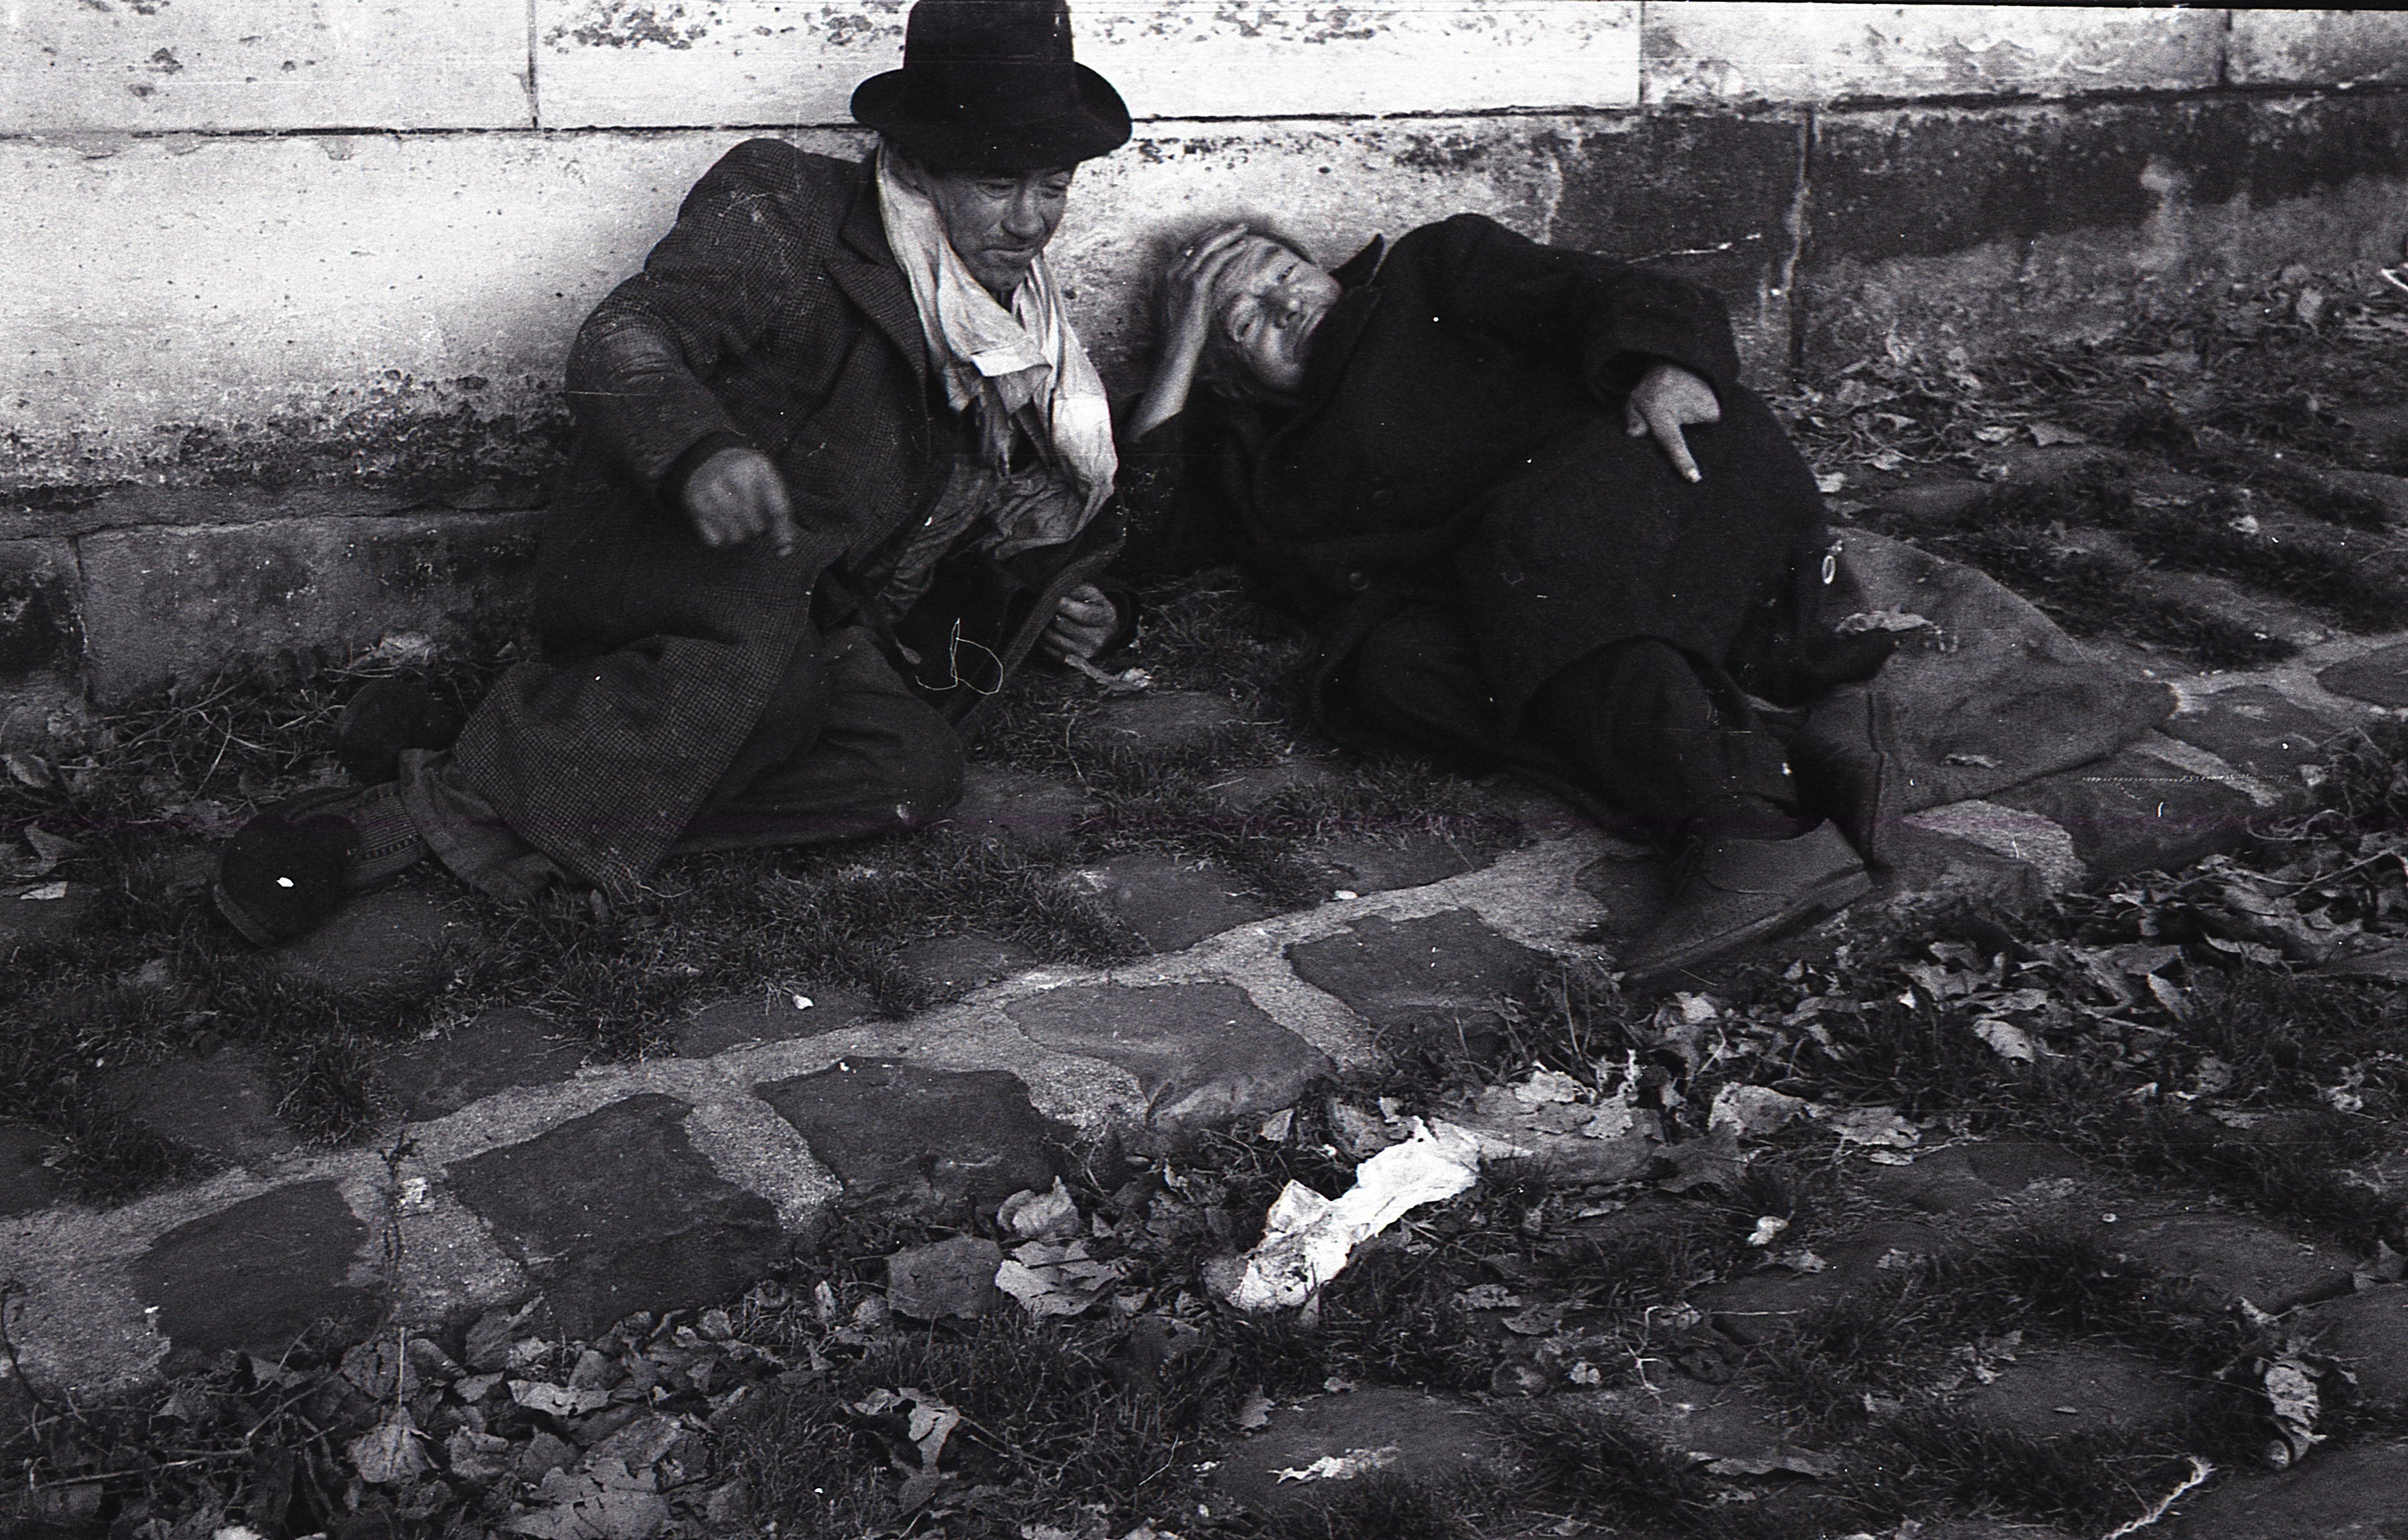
[(52, 848), (2050, 435), (1487, 1296), (33, 770), (1882, 619), (1753, 1110), (927, 1421), (478, 1459), (557, 1400), (1710, 1162), (605, 1504), (388, 1454), (1254, 1411), (2007, 1040), (1539, 1320), (46, 892), (1796, 1461), (1344, 1467), (1041, 1216), (1873, 1125)]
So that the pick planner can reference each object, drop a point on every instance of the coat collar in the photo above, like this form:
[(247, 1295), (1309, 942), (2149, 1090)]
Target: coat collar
[(1334, 341), (864, 267)]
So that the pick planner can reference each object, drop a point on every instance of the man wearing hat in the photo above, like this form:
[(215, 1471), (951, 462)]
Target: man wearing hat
[(841, 464)]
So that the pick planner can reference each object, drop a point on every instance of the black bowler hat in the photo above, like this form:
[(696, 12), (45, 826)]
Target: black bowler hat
[(989, 85)]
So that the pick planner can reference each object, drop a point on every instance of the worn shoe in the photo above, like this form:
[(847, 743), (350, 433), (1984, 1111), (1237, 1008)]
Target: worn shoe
[(286, 870), (1740, 890), (386, 717)]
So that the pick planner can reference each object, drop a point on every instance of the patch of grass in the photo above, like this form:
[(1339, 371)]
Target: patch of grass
[(1381, 1505), (1596, 1462), (792, 1450), (1934, 1455), (2066, 1279)]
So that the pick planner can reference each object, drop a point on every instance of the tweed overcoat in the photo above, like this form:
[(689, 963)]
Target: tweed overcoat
[(771, 315), (1459, 439)]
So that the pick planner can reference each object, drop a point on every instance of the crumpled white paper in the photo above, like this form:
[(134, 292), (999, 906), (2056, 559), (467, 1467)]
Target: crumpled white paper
[(1307, 1237)]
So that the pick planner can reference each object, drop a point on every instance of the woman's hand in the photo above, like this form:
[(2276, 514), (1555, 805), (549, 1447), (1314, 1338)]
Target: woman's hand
[(737, 496), (1667, 399), (1082, 624), (1190, 277), (1188, 281)]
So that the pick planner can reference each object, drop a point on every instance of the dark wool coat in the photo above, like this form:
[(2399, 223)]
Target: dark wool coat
[(771, 315), (1459, 438)]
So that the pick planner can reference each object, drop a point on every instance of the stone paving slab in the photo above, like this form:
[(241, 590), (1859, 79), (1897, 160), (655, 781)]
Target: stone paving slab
[(953, 965), (1173, 904), (2257, 729), (1199, 1051), (1966, 1179), (1014, 804), (617, 1212), (2056, 1390), (1430, 982), (896, 1132), (501, 1050), (775, 1016), (1754, 1307), (2369, 1331), (256, 1274), (2136, 811), (2379, 677), (221, 1104), (1432, 1438), (2233, 1257)]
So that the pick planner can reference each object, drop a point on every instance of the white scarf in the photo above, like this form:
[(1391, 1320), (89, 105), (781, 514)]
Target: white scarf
[(1003, 363)]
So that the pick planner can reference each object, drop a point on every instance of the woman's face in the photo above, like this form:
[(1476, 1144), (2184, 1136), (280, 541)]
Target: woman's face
[(1269, 302)]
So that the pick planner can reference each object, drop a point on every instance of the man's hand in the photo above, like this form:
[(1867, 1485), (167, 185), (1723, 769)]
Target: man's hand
[(737, 496), (1083, 624), (1667, 399)]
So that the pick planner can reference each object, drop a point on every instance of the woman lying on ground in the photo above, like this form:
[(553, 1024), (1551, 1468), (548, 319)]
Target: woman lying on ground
[(1535, 520)]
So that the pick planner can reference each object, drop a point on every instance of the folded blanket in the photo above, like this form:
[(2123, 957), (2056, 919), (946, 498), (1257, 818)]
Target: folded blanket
[(1983, 692)]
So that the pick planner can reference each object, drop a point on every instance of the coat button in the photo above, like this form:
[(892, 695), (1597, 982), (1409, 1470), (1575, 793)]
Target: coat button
[(1358, 582)]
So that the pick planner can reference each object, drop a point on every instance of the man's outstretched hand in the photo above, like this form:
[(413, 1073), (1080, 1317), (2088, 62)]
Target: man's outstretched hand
[(1667, 399), (737, 496), (1082, 624)]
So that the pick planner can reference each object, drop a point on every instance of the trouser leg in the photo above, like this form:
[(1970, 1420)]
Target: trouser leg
[(1670, 741), (850, 751), (1416, 680), (844, 750)]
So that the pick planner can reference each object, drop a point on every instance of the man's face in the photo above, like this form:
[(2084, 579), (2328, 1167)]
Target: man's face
[(998, 220), (1268, 301)]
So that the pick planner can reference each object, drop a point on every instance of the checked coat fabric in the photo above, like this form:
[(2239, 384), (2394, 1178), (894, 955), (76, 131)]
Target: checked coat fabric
[(771, 315)]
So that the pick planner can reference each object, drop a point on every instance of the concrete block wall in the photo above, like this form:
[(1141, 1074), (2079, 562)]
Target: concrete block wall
[(264, 249)]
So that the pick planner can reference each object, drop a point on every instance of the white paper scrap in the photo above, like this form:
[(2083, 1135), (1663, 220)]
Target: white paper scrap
[(1307, 1237)]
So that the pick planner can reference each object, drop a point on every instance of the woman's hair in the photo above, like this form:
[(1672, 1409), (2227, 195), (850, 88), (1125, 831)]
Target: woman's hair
[(1221, 369)]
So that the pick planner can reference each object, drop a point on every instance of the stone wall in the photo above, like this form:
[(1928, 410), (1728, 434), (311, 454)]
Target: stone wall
[(282, 265)]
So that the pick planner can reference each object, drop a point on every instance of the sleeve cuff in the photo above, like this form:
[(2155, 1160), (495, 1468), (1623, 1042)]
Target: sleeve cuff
[(693, 458)]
